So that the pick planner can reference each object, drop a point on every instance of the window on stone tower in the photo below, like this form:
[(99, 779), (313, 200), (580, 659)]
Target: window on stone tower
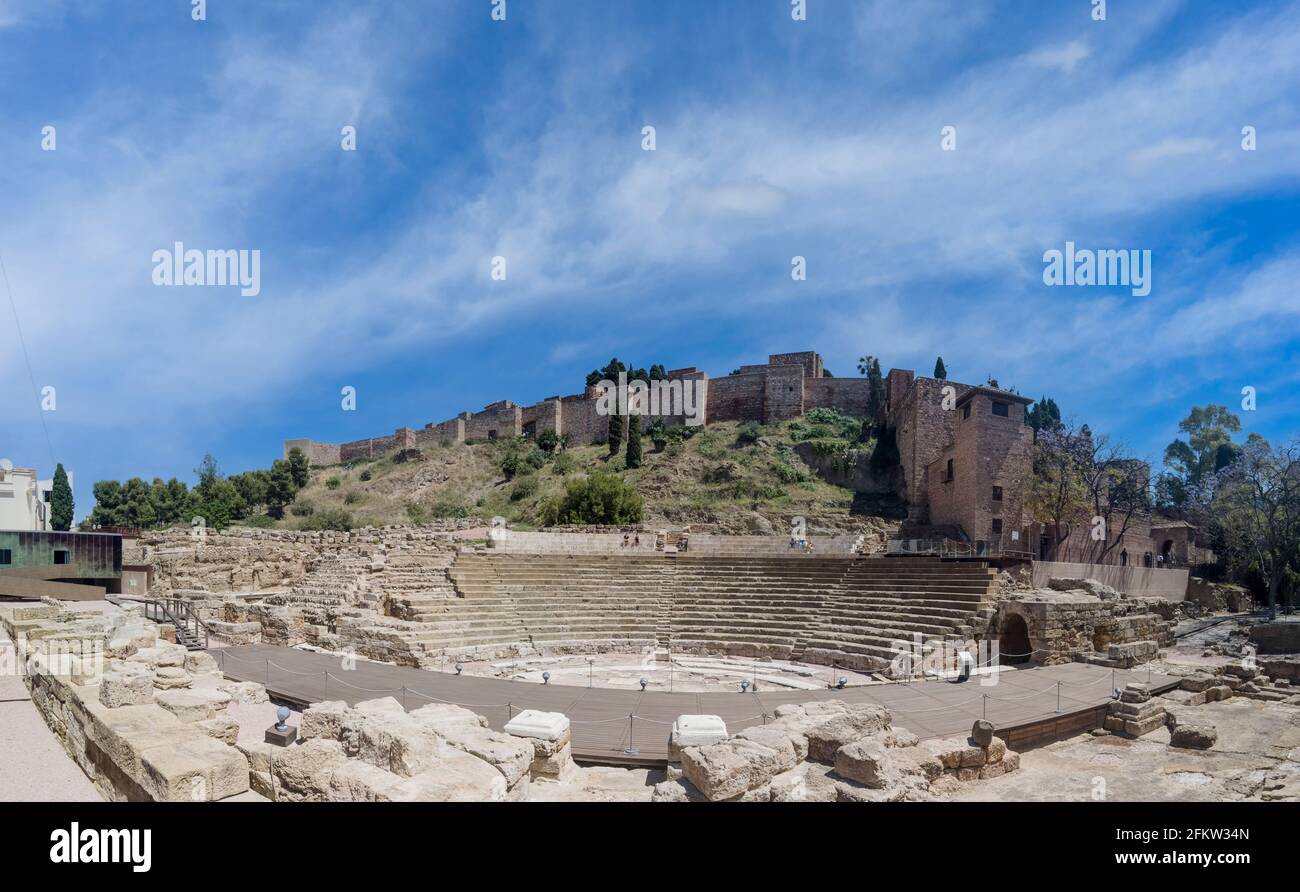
[(997, 526), (997, 493), (1002, 409), (6, 556), (965, 411), (62, 557), (949, 474)]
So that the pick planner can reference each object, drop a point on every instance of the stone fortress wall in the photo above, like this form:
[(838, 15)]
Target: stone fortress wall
[(785, 388)]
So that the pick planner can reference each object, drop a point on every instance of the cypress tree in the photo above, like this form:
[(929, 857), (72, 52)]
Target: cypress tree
[(940, 371), (61, 505), (615, 433), (633, 459)]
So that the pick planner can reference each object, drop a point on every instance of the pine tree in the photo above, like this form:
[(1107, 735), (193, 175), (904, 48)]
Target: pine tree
[(61, 504), (940, 371), (299, 467), (633, 459)]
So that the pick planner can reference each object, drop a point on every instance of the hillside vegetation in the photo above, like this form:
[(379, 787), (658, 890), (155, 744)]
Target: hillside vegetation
[(740, 477)]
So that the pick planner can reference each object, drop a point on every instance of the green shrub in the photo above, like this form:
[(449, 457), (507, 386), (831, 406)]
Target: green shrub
[(535, 459), (331, 519), (302, 508), (547, 441), (523, 488), (258, 521), (365, 475), (510, 465), (416, 513), (352, 498), (599, 499), (787, 473), (563, 464), (748, 433), (448, 508), (334, 483)]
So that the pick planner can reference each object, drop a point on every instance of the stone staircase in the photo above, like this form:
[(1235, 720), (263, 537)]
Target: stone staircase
[(341, 577), (413, 583)]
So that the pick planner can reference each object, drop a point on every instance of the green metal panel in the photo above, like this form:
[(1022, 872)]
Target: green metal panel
[(90, 555)]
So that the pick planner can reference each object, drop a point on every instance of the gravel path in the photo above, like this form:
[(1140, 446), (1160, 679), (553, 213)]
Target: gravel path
[(33, 765)]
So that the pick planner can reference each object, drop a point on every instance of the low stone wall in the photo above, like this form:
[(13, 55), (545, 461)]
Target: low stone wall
[(1170, 584), (1276, 638), (518, 542), (141, 716), (1074, 624), (1219, 597), (714, 545)]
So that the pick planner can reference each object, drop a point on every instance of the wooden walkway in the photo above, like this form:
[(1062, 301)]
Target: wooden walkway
[(620, 726)]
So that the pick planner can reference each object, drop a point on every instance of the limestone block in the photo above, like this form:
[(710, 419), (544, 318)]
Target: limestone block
[(223, 728), (695, 730), (1196, 736), (919, 762), (956, 752), (193, 705), (1135, 692), (868, 762), (790, 748), (676, 791), (435, 715), (356, 781), (825, 739), (200, 663), (804, 784), (195, 769), (1217, 693), (901, 738), (126, 688), (302, 772), (394, 742), (244, 691), (512, 756), (981, 733), (324, 719), (455, 776), (1197, 683), (717, 771), (171, 677)]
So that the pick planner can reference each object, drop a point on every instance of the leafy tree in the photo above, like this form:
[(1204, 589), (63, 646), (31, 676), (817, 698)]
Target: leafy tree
[(1044, 415), (1258, 501), (252, 487), (658, 373), (61, 504), (598, 499), (280, 488), (136, 508), (1058, 493), (939, 371), (299, 466), (108, 504), (510, 465), (633, 459), (1187, 484)]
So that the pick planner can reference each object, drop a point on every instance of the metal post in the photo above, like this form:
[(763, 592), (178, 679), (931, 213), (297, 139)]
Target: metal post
[(1058, 696), (403, 696), (986, 706), (1112, 678), (327, 684), (268, 673), (510, 712)]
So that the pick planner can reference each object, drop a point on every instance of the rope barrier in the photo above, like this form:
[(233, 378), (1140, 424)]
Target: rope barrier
[(294, 671)]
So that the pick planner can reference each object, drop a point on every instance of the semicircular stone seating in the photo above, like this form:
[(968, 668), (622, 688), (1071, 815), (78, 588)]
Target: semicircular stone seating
[(830, 609)]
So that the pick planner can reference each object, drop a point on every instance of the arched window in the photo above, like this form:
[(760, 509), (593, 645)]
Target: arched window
[(1123, 558)]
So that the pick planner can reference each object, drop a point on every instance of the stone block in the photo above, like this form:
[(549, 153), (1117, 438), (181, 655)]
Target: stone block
[(126, 688), (868, 762), (324, 719), (717, 771), (695, 730)]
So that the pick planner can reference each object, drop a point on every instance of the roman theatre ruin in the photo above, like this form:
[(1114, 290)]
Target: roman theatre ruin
[(452, 663)]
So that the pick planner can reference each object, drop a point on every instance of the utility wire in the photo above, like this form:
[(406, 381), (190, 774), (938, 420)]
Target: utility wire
[(36, 393)]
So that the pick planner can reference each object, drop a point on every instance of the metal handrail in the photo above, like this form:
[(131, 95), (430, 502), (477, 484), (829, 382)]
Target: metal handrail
[(174, 611)]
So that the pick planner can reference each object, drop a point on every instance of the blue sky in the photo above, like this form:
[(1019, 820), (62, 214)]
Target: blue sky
[(522, 138)]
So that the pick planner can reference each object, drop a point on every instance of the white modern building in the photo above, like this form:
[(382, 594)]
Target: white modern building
[(24, 500)]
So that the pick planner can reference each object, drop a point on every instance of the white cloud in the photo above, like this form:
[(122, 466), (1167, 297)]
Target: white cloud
[(1063, 57)]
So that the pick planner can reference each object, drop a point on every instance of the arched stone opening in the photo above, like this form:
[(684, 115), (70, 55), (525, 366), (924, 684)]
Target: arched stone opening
[(1167, 551), (1013, 641)]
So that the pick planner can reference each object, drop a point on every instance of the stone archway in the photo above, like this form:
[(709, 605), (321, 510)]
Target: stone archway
[(1013, 641)]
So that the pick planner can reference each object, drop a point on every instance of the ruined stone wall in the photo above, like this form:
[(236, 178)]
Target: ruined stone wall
[(402, 438), (548, 415), (452, 431), (318, 454), (782, 394), (736, 397), (582, 424), (501, 419), (845, 394)]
